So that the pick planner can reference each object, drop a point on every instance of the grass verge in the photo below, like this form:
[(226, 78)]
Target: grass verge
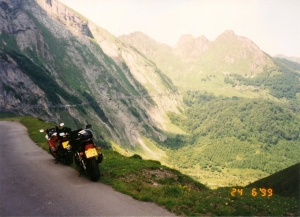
[(148, 180)]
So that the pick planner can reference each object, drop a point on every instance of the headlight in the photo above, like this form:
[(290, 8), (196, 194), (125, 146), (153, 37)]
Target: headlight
[(62, 134)]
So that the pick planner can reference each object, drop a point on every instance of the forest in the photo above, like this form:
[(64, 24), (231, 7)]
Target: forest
[(284, 82), (236, 133)]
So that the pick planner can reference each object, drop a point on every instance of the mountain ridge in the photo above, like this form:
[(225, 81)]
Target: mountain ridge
[(227, 54), (86, 64), (294, 59)]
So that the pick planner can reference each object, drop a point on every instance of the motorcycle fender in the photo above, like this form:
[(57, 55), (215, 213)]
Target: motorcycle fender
[(90, 151), (51, 143)]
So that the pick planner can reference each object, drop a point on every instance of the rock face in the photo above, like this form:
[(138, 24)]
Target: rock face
[(10, 4), (69, 18), (189, 49), (237, 50), (52, 57), (17, 89)]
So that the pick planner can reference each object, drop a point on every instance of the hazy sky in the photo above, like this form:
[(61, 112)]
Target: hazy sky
[(274, 25)]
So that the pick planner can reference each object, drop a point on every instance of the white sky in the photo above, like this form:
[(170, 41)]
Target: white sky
[(274, 25)]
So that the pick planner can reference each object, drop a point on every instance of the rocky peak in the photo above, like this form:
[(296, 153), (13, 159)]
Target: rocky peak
[(226, 35), (190, 48), (229, 35), (143, 43), (234, 51), (71, 19), (139, 35), (134, 37)]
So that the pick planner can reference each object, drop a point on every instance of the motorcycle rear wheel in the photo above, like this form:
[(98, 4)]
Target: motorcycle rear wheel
[(94, 170)]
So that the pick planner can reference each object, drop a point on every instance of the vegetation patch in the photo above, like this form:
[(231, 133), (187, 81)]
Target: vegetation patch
[(232, 141), (282, 84)]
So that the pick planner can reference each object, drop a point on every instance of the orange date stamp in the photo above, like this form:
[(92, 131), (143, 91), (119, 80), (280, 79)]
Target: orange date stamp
[(255, 192)]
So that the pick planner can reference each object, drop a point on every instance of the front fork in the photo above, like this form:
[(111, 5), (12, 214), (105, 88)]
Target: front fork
[(81, 161)]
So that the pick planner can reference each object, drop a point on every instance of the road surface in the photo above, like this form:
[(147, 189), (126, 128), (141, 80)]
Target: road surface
[(31, 184)]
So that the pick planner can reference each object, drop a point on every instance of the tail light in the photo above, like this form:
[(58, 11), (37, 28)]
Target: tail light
[(88, 146)]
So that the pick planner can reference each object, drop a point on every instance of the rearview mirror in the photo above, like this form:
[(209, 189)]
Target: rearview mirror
[(61, 124), (88, 126), (42, 131)]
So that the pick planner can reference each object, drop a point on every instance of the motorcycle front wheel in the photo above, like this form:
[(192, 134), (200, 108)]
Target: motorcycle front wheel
[(68, 158), (94, 170), (53, 155)]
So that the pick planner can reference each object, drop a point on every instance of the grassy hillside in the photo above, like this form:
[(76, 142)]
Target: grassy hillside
[(153, 182), (281, 83), (285, 182), (292, 64)]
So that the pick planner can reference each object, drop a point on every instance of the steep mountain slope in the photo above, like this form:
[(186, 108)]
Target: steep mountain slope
[(162, 55), (59, 66), (285, 182)]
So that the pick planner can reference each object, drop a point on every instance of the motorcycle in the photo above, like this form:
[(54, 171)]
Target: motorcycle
[(86, 152), (59, 143)]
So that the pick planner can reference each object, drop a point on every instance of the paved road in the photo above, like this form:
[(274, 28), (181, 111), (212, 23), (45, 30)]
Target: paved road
[(31, 184)]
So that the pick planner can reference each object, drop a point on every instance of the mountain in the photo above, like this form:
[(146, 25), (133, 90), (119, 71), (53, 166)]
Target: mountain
[(292, 62), (284, 183), (241, 108), (59, 66), (232, 54), (189, 48), (196, 63), (162, 55), (293, 59), (144, 43)]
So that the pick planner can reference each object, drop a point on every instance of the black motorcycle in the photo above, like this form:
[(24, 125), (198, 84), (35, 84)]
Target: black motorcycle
[(58, 139), (86, 152)]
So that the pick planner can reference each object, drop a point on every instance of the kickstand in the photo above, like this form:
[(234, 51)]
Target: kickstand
[(56, 162)]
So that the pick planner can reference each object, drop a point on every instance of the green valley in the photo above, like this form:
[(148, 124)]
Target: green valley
[(234, 140), (241, 116)]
